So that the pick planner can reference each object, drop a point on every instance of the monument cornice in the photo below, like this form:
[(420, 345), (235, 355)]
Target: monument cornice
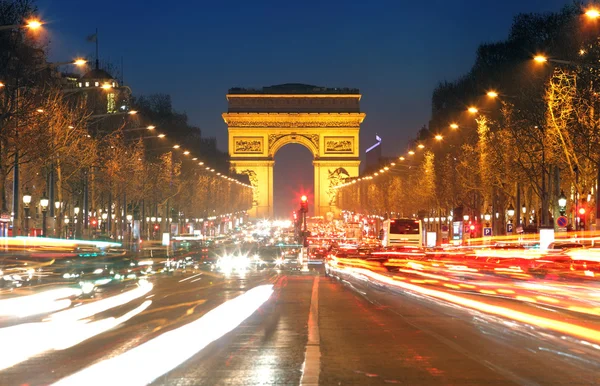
[(287, 120)]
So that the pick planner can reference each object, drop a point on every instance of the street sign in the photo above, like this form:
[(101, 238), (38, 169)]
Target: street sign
[(562, 222), (509, 228), (487, 232)]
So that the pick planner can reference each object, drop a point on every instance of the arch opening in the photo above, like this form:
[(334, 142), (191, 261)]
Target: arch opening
[(293, 176)]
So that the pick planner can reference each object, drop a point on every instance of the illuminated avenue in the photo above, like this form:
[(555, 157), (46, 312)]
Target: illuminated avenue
[(135, 251)]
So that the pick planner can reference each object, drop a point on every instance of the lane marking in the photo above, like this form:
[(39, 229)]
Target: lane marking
[(311, 368), (191, 277), (195, 280)]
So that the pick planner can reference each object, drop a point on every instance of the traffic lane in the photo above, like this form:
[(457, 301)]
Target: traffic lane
[(457, 345), (174, 303), (267, 349)]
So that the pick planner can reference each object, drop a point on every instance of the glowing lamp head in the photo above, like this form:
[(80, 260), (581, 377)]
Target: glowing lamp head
[(582, 211), (79, 62), (27, 198), (438, 137), (161, 135), (453, 126), (473, 110), (540, 58), (492, 94), (592, 13), (303, 198), (420, 146), (33, 24)]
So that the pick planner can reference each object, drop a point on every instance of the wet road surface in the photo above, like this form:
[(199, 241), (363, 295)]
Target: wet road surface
[(357, 332)]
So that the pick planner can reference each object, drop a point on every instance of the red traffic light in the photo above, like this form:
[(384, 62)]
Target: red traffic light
[(472, 227), (582, 211), (93, 221), (304, 204), (156, 227)]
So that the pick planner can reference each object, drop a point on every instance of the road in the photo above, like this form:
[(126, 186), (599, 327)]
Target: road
[(290, 328)]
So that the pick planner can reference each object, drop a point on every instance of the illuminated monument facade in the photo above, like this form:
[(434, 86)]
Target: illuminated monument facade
[(324, 120)]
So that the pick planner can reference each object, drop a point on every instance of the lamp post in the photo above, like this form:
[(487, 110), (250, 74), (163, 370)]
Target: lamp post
[(129, 218), (104, 217), (44, 202), (67, 221), (76, 210), (26, 202)]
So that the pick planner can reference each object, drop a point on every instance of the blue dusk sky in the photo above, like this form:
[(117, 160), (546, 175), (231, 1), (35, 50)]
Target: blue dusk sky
[(395, 52)]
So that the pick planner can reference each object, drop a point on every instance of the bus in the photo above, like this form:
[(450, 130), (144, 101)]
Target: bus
[(402, 232)]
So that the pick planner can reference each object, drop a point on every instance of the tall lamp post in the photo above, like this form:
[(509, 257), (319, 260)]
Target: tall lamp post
[(129, 228), (76, 210), (44, 201), (26, 202)]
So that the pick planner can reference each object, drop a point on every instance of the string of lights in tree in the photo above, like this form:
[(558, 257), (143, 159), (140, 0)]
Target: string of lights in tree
[(401, 159), (188, 154)]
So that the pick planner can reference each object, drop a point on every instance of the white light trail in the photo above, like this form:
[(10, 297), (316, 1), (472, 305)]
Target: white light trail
[(29, 339), (143, 364), (47, 301)]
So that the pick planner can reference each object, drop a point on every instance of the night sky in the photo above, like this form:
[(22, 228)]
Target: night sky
[(395, 52)]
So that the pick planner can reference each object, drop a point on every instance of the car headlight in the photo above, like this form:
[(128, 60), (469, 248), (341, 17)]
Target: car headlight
[(87, 287)]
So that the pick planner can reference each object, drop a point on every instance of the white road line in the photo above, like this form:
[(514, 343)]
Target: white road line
[(196, 280), (311, 368), (191, 277)]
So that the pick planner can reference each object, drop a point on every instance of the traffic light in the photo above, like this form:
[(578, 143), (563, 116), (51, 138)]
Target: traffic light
[(304, 204), (156, 227), (93, 222)]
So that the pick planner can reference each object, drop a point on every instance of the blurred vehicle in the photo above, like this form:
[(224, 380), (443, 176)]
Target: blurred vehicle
[(316, 254), (402, 231)]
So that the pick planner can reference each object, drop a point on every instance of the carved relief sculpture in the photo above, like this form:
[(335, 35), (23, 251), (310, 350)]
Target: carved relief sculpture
[(342, 145), (248, 145), (254, 182), (337, 177)]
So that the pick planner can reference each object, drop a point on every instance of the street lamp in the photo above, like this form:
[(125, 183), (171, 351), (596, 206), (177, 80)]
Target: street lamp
[(592, 13), (540, 58), (466, 217), (511, 211), (454, 126), (492, 94), (44, 202), (473, 110), (26, 202), (562, 203)]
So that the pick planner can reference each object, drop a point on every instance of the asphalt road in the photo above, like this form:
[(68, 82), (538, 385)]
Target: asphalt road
[(312, 330)]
